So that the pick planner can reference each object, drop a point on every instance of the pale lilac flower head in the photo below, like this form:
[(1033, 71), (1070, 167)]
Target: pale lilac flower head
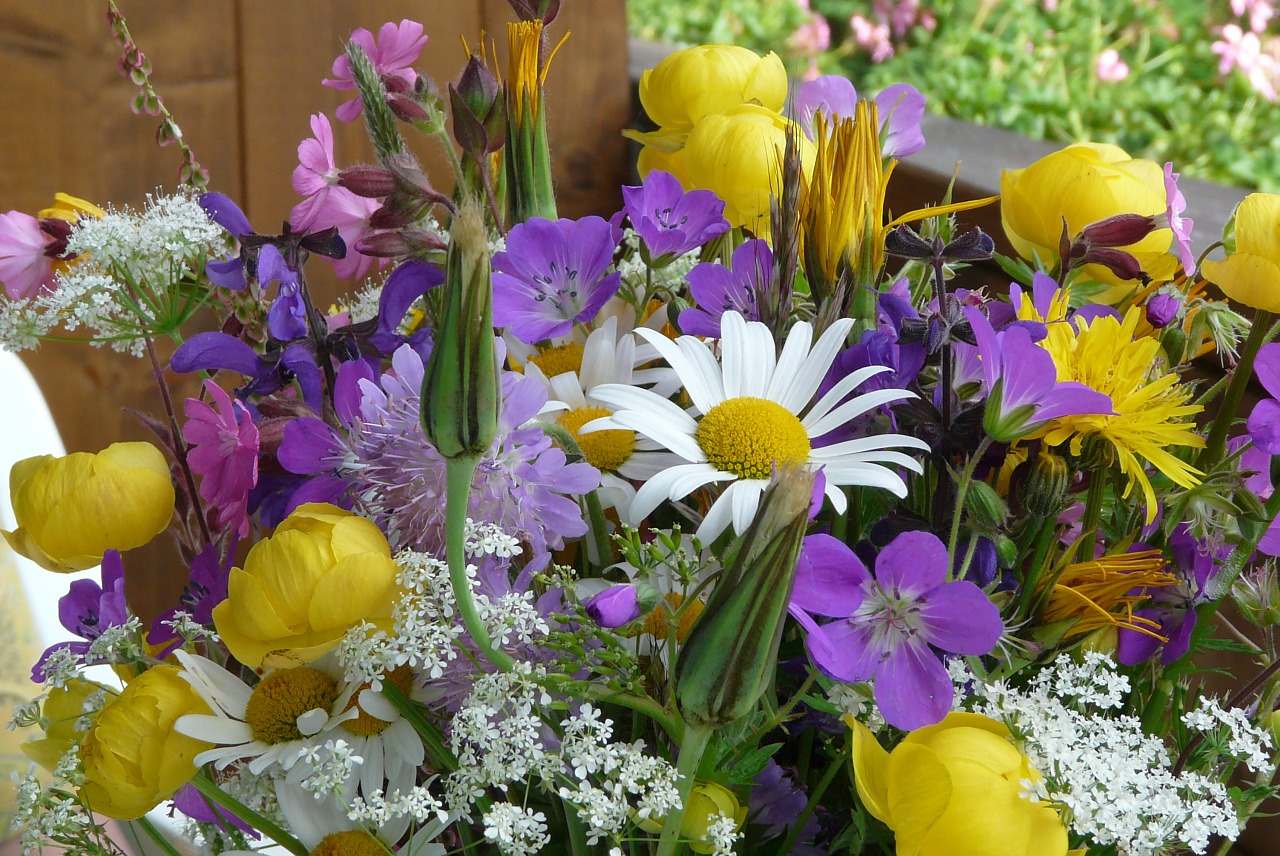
[(25, 267), (392, 55), (886, 627), (670, 221), (899, 109), (717, 289), (1020, 381), (553, 275), (1110, 68), (87, 609), (1175, 204), (224, 453)]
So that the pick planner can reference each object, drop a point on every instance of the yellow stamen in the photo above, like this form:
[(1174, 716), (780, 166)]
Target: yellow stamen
[(655, 623), (284, 695), (367, 724), (747, 436), (354, 842), (604, 450), (560, 359), (1097, 593)]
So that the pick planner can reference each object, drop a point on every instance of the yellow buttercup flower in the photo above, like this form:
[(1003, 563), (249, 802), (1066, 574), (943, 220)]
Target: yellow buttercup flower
[(697, 82), (61, 711), (1151, 413), (71, 208), (323, 571), (958, 788), (1085, 183), (133, 757), (1251, 274), (71, 510)]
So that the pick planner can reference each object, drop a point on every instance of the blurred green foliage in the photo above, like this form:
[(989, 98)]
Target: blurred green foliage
[(1015, 64)]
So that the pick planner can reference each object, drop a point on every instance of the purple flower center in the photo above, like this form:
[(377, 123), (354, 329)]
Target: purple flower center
[(890, 615)]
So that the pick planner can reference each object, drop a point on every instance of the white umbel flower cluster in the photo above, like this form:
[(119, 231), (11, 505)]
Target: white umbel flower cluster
[(1115, 782)]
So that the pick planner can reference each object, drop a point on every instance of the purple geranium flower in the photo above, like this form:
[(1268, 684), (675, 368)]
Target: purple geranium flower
[(1173, 607), (1176, 203), (87, 609), (717, 289), (552, 275), (888, 626), (206, 588), (1021, 383), (1264, 420), (393, 56), (670, 221), (899, 109)]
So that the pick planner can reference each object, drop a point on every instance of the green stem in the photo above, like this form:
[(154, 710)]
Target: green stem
[(691, 749), (458, 474), (577, 832), (1092, 514), (263, 824), (157, 836), (431, 737), (1240, 375), (962, 489), (640, 704)]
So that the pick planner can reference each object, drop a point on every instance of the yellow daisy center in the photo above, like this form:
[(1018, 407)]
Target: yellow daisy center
[(655, 623), (366, 724), (284, 695), (604, 450), (353, 842), (746, 436), (560, 359)]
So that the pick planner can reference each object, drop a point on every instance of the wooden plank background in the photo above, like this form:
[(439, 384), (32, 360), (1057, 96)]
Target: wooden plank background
[(242, 78)]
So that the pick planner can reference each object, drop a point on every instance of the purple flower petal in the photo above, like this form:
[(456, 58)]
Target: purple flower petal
[(829, 578), (830, 94), (225, 213), (912, 564), (213, 351), (900, 107), (913, 689), (960, 619), (407, 283), (309, 446), (1263, 425), (1267, 366)]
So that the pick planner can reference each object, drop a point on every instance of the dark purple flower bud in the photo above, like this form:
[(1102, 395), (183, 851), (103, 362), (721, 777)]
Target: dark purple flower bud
[(905, 242), (1120, 230), (406, 109), (371, 182), (59, 230), (974, 246), (1120, 263), (1163, 309), (615, 606)]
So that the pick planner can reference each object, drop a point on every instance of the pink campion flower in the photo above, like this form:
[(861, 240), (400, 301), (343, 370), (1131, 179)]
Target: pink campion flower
[(872, 36), (1260, 12), (1238, 49), (1176, 203), (1049, 5), (350, 214), (393, 56), (224, 453), (25, 268), (316, 172), (1110, 68)]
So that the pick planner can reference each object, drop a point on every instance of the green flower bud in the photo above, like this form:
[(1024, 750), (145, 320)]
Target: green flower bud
[(1257, 594), (730, 654), (460, 385), (987, 509), (1048, 481)]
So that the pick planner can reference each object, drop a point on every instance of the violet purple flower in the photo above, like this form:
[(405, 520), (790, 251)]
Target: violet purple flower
[(552, 275), (214, 351), (1177, 203), (206, 588), (1173, 607), (615, 606), (1021, 384), (888, 626), (1162, 309), (87, 609), (899, 109), (392, 55), (669, 221), (1263, 423), (717, 289)]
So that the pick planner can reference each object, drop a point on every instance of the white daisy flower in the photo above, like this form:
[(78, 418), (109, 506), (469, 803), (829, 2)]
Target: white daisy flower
[(747, 416), (571, 372)]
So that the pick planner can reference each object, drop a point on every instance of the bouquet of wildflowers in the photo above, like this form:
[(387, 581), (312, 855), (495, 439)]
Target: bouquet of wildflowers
[(729, 524)]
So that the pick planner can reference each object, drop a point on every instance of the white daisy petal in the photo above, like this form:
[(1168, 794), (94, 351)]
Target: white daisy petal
[(885, 456), (658, 489), (214, 729), (371, 770), (619, 397), (718, 518), (843, 387), (795, 348), (839, 501), (866, 444), (405, 743), (377, 705), (689, 357), (808, 377), (565, 387), (853, 408), (645, 465), (598, 354), (868, 475), (218, 687), (746, 500)]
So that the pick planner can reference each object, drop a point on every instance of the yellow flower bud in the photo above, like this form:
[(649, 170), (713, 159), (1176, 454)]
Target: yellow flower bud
[(1084, 183), (71, 510), (738, 155), (133, 757), (697, 82), (60, 711), (958, 788), (707, 803), (1251, 274), (323, 571)]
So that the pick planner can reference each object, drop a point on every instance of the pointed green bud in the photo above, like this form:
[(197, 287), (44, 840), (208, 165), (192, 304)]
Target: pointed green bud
[(730, 654), (1047, 484), (460, 386), (987, 509)]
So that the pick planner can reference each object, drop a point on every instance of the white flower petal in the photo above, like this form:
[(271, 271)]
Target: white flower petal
[(843, 387), (839, 501), (868, 475), (598, 355), (222, 756), (704, 383), (718, 518), (377, 705), (645, 465), (372, 776), (218, 687), (808, 377), (866, 444), (214, 729), (795, 348), (746, 500), (686, 367), (311, 722), (660, 488), (566, 387), (853, 408)]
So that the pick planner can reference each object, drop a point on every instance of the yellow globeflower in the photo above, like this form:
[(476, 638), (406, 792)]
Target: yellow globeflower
[(697, 82), (71, 510), (738, 155), (133, 757), (1251, 275), (71, 208), (1084, 183), (322, 572), (60, 713), (707, 803), (958, 788)]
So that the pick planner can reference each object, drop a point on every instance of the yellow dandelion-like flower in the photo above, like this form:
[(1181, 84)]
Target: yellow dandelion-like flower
[(1151, 413), (1098, 593)]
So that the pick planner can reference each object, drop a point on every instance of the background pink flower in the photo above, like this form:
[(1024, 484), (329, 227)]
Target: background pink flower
[(1110, 68), (25, 270), (396, 50)]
